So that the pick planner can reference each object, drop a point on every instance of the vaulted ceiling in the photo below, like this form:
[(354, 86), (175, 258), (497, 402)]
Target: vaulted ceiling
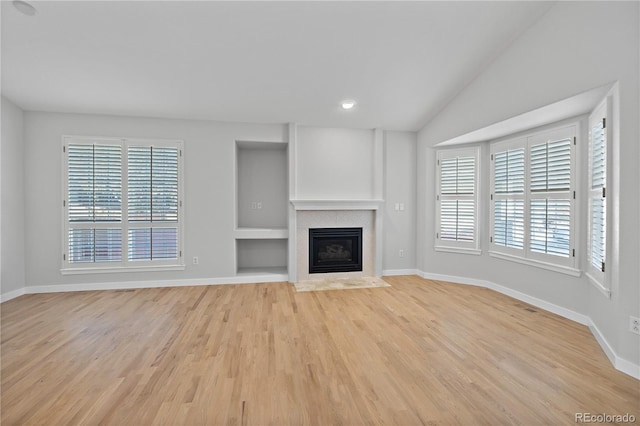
[(264, 62)]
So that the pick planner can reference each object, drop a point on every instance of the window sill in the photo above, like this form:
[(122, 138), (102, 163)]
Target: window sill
[(538, 264), (116, 269), (599, 286), (459, 250)]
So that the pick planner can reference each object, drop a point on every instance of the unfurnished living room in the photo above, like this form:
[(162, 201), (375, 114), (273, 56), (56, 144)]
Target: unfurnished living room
[(320, 212)]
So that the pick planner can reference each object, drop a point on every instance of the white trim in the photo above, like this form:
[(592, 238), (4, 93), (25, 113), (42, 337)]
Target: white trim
[(619, 363), (563, 130), (608, 350), (395, 272), (460, 250), (378, 163), (542, 304), (627, 367), (125, 285), (261, 233), (537, 263), (445, 154), (291, 211), (124, 224), (12, 294), (107, 270), (598, 285), (373, 204)]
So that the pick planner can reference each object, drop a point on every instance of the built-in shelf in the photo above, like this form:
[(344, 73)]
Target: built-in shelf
[(262, 209), (261, 233), (261, 255), (265, 270), (373, 204)]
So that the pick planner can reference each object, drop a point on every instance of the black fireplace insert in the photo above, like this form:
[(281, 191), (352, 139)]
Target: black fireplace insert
[(335, 250)]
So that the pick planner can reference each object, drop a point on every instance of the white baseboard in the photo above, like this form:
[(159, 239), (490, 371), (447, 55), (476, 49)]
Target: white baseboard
[(619, 363), (608, 350), (124, 285), (12, 294), (455, 279), (542, 304), (393, 272)]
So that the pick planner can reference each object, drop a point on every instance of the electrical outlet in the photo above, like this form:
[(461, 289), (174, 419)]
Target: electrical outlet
[(401, 253), (259, 205), (253, 205), (634, 325), (195, 260)]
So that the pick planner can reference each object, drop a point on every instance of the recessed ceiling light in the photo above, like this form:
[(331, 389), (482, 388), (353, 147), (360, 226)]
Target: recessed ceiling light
[(24, 7), (348, 104)]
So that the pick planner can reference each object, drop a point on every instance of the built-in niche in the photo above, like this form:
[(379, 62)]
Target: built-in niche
[(261, 256), (261, 207), (262, 185)]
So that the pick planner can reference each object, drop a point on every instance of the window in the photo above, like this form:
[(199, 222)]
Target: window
[(597, 183), (533, 197), (508, 196), (457, 206), (122, 204)]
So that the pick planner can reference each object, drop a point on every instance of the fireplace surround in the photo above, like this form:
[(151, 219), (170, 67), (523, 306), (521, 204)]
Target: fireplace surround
[(335, 250), (335, 215)]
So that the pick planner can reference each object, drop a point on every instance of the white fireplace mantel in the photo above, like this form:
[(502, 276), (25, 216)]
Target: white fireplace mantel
[(302, 201), (337, 204), (304, 206)]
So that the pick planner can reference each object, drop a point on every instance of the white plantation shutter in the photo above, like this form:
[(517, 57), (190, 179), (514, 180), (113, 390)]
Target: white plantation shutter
[(139, 183), (94, 197), (153, 202), (597, 193), (550, 198), (99, 226), (457, 187), (533, 196), (508, 223), (508, 196), (550, 226)]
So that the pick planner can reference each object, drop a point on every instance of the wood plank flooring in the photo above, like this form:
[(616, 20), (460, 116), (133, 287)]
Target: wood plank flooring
[(419, 352)]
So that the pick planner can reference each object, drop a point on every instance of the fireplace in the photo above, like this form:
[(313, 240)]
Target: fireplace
[(335, 250)]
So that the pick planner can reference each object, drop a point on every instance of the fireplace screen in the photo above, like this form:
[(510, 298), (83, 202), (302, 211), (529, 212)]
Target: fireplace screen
[(335, 250)]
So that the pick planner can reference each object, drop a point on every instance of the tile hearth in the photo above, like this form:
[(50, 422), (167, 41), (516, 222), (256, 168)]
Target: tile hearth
[(340, 284)]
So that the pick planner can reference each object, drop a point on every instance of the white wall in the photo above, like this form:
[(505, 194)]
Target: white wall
[(209, 186), (12, 216), (209, 162), (576, 46), (262, 178), (399, 187), (334, 163)]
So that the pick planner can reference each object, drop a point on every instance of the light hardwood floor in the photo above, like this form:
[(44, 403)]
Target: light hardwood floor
[(419, 352)]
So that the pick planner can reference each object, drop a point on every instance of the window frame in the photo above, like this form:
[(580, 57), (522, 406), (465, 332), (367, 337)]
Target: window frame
[(568, 265), (598, 277), (124, 265), (465, 247)]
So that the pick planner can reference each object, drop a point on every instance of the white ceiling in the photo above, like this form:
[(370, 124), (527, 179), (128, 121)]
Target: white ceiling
[(264, 62)]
